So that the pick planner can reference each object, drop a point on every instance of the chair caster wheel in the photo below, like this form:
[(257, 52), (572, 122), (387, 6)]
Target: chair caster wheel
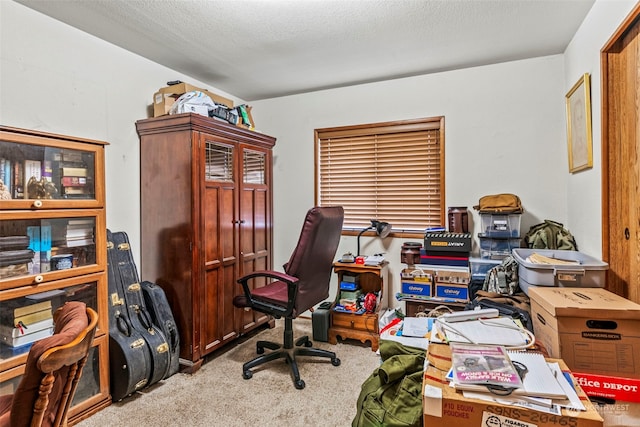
[(260, 350), (335, 361), (308, 344), (247, 374), (299, 384)]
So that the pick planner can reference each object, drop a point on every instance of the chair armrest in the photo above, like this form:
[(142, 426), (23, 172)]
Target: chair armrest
[(268, 273), (292, 290)]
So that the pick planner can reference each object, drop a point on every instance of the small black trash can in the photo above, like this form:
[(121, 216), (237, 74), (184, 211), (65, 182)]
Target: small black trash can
[(320, 322)]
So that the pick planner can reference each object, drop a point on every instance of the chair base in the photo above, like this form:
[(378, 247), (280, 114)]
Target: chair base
[(288, 352)]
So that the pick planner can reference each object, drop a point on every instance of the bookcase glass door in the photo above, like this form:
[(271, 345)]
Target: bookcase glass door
[(40, 245), (88, 386), (26, 319), (45, 172)]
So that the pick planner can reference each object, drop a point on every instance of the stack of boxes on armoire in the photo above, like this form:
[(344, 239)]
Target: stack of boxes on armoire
[(179, 97), (439, 271)]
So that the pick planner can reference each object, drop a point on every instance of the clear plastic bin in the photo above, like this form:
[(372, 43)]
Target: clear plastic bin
[(481, 266), (498, 244), (500, 225)]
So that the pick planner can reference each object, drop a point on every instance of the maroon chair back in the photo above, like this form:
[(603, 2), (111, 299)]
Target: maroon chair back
[(312, 260)]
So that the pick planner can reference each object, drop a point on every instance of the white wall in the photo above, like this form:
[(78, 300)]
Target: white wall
[(504, 123), (584, 189), (58, 79), (504, 128)]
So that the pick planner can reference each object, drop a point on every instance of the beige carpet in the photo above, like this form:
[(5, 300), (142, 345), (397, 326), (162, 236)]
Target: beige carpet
[(217, 395)]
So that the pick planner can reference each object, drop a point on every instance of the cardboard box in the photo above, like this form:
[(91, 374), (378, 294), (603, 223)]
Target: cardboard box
[(416, 288), (444, 406), (447, 242), (180, 88), (164, 99), (616, 388), (450, 291), (593, 330)]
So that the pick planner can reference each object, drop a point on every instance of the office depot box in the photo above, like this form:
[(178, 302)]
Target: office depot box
[(604, 386), (595, 331), (589, 272), (444, 406)]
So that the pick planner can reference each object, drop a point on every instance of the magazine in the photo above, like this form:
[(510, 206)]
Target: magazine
[(483, 364)]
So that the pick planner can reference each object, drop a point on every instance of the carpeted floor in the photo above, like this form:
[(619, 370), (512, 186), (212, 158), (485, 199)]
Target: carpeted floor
[(217, 395)]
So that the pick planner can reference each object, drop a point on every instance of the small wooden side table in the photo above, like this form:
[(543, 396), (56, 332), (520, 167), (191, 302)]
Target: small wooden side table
[(363, 327)]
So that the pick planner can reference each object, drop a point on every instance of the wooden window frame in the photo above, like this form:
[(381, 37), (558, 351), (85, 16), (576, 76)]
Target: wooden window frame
[(418, 167)]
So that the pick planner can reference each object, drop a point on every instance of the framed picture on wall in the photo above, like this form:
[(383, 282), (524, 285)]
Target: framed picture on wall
[(578, 101)]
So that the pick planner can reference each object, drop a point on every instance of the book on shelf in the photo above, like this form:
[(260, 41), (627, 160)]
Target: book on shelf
[(20, 307), (27, 318), (47, 170), (487, 365), (21, 329), (73, 181), (78, 172), (6, 174), (32, 169), (78, 190), (28, 338), (18, 180)]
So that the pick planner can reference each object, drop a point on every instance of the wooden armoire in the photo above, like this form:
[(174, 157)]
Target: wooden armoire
[(205, 221)]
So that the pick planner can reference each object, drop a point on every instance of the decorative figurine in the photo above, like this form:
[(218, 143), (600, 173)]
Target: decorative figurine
[(42, 189), (5, 194)]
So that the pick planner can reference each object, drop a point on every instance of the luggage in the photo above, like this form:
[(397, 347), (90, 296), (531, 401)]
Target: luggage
[(133, 307), (129, 355), (499, 203), (162, 317)]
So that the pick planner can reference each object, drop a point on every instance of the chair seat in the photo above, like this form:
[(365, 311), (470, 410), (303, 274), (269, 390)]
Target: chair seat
[(273, 293)]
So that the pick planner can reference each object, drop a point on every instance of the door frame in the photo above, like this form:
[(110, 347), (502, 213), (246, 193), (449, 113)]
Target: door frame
[(610, 47)]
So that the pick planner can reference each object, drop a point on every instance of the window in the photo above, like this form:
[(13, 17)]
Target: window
[(392, 172)]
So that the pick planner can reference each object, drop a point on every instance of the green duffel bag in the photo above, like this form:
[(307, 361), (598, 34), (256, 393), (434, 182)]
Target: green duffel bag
[(392, 395)]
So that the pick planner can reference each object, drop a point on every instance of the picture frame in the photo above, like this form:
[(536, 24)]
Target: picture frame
[(579, 137)]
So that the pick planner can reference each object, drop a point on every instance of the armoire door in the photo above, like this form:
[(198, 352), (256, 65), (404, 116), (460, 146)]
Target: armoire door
[(621, 158), (219, 240), (255, 220)]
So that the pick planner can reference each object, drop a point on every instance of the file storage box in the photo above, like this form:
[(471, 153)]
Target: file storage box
[(593, 330), (589, 272)]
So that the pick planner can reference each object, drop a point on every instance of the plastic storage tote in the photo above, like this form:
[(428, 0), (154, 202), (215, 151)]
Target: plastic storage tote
[(588, 272)]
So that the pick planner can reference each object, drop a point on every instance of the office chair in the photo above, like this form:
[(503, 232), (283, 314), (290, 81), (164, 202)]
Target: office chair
[(53, 369), (304, 283)]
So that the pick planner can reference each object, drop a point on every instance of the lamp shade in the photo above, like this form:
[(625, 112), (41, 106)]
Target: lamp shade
[(382, 228)]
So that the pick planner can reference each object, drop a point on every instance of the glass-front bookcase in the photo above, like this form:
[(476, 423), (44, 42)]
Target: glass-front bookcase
[(52, 250)]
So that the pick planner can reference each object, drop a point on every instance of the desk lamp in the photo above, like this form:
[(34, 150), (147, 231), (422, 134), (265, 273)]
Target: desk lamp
[(382, 229)]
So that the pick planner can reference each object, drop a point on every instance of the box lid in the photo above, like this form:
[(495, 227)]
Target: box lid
[(583, 302)]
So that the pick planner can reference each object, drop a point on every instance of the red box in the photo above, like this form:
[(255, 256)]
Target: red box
[(617, 388)]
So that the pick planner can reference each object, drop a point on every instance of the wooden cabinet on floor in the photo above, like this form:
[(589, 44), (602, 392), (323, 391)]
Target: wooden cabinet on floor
[(206, 220), (54, 249)]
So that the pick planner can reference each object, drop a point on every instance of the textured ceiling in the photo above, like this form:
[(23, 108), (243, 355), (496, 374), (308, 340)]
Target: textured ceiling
[(257, 49)]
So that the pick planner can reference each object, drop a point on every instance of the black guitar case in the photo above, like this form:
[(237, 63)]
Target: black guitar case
[(129, 355), (162, 316), (127, 279)]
